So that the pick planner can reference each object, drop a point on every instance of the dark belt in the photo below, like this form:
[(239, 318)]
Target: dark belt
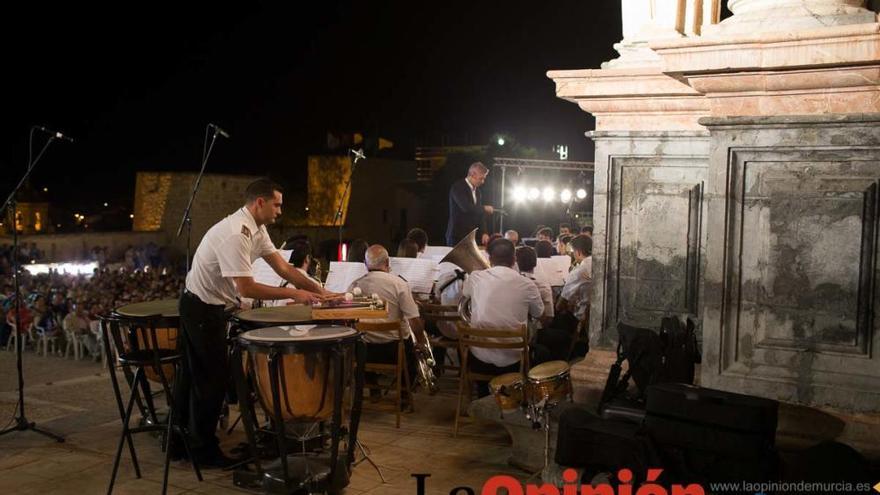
[(195, 298)]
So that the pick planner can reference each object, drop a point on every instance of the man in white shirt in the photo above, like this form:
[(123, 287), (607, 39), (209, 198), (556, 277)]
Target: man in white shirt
[(382, 347), (220, 275), (576, 292), (500, 298), (573, 307)]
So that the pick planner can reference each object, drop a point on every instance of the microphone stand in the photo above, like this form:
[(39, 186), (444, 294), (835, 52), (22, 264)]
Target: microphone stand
[(338, 216), (21, 421), (187, 219)]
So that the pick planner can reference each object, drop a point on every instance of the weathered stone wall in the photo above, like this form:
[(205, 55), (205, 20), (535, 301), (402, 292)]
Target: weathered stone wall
[(649, 237), (163, 196), (792, 249)]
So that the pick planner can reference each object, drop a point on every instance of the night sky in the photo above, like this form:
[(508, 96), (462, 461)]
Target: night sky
[(136, 87)]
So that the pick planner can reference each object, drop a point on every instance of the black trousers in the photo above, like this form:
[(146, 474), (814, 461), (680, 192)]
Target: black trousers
[(202, 382), (387, 354)]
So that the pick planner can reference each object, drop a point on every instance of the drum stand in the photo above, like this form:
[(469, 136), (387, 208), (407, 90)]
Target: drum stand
[(366, 453), (540, 416)]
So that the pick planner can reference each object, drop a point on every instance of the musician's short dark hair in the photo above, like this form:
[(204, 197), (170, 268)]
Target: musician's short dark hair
[(301, 250), (564, 226), (582, 243), (526, 258), (587, 229), (543, 249), (408, 248), (263, 187), (501, 252), (419, 236)]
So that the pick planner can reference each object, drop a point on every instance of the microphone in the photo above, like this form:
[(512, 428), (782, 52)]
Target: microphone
[(220, 131), (358, 154), (54, 134)]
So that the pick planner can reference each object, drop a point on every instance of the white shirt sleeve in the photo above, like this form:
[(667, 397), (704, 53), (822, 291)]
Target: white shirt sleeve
[(233, 256), (536, 305), (265, 247), (408, 307)]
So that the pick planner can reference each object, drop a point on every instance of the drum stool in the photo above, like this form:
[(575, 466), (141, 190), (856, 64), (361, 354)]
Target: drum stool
[(136, 347)]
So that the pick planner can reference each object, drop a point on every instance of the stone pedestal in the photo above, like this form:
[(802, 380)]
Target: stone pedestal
[(792, 254)]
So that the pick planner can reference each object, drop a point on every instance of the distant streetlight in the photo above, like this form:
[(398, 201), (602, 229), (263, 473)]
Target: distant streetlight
[(131, 215), (105, 205), (45, 189), (500, 141)]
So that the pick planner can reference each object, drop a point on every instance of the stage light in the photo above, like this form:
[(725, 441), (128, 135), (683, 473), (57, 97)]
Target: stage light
[(548, 194), (581, 193), (500, 141), (534, 193), (565, 195), (520, 194)]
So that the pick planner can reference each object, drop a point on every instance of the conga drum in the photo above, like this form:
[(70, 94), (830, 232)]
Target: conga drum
[(508, 391), (548, 383), (166, 314)]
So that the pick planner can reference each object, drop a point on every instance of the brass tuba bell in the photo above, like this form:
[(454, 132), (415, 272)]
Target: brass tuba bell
[(467, 256)]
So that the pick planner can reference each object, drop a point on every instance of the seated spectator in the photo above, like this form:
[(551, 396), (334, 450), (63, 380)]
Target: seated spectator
[(512, 236), (77, 326)]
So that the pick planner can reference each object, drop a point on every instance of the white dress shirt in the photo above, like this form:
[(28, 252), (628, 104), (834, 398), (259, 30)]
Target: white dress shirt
[(450, 296), (501, 298), (396, 293), (577, 287), (227, 250), (473, 189)]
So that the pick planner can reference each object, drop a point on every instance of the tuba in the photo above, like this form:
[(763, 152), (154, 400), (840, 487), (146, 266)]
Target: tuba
[(467, 256)]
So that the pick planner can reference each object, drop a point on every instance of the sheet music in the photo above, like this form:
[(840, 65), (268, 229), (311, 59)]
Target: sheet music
[(342, 274), (435, 253), (563, 262), (418, 272), (549, 271), (264, 274)]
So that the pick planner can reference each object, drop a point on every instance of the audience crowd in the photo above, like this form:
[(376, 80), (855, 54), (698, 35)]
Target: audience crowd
[(66, 305)]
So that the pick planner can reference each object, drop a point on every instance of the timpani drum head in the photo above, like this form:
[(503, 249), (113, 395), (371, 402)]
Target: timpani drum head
[(276, 315), (298, 333), (548, 370), (166, 307)]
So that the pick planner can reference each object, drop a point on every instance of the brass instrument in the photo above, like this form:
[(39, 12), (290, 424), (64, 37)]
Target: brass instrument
[(467, 256), (425, 362)]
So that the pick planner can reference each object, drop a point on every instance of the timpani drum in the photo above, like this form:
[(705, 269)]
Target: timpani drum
[(548, 383), (508, 391), (167, 316), (304, 392), (299, 374), (291, 314)]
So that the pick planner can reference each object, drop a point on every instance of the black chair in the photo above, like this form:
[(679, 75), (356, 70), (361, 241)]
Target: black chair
[(136, 346)]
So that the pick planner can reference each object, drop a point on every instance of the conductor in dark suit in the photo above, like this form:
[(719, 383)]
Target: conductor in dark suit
[(466, 209)]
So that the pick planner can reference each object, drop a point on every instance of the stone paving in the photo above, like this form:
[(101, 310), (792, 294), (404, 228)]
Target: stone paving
[(74, 399)]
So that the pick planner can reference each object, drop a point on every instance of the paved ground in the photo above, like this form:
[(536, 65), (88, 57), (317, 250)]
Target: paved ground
[(74, 399)]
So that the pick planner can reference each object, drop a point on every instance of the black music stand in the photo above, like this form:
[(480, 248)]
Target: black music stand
[(21, 421)]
